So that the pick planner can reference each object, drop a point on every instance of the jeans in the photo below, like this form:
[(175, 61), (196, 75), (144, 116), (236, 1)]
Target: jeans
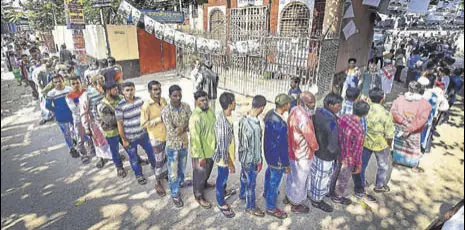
[(113, 142), (134, 157), (221, 181), (248, 184), (65, 128), (177, 160), (273, 179), (382, 159), (200, 176), (398, 72)]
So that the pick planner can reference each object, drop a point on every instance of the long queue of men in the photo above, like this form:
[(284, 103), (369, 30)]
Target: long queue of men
[(319, 150)]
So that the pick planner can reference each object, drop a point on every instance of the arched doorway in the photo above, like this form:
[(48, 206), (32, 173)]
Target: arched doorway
[(295, 20), (318, 17), (217, 25)]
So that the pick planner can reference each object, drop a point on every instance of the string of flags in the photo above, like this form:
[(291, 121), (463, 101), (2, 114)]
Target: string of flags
[(183, 40)]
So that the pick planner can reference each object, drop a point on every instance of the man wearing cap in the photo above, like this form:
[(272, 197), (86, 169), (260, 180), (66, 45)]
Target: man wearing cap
[(276, 153), (302, 146)]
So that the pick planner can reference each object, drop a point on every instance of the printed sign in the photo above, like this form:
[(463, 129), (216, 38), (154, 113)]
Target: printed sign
[(101, 3), (74, 10)]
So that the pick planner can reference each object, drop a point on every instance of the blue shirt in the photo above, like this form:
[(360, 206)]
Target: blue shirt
[(56, 102), (275, 140), (294, 93)]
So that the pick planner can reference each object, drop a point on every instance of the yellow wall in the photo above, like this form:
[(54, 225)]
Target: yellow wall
[(123, 42)]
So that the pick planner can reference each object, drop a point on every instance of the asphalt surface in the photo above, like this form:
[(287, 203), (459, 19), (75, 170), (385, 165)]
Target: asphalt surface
[(42, 187)]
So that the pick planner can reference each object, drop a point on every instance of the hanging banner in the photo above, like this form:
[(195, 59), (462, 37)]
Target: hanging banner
[(159, 30), (243, 3), (101, 3), (349, 12), (418, 6), (350, 29), (190, 42), (165, 16), (202, 45), (74, 10), (79, 47), (179, 39), (125, 9), (135, 16), (168, 35), (148, 25), (374, 3)]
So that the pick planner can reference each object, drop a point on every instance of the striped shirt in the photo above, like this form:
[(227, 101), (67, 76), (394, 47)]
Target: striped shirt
[(250, 141), (95, 97), (56, 102), (130, 114)]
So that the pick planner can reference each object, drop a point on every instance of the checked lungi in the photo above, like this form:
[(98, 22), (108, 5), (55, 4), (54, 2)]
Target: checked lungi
[(407, 149), (321, 172), (161, 168)]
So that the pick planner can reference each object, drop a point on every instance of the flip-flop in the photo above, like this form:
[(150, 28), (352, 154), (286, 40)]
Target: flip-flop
[(228, 209), (204, 205), (160, 191), (280, 214)]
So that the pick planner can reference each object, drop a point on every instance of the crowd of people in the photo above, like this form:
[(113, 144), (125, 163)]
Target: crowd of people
[(318, 149)]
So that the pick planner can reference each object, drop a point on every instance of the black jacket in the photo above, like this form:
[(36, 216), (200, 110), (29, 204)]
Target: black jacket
[(326, 131)]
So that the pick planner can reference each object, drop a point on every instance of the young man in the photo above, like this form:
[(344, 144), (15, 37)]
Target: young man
[(400, 62), (250, 153), (351, 137), (353, 75), (380, 131), (326, 129), (302, 146), (108, 122), (208, 81), (72, 99), (151, 120), (89, 101), (203, 142), (131, 132), (176, 118), (116, 70), (276, 153), (65, 55), (56, 103), (294, 92), (225, 154), (387, 76), (411, 112)]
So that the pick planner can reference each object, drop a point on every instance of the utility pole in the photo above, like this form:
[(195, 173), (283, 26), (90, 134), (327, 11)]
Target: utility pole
[(104, 24)]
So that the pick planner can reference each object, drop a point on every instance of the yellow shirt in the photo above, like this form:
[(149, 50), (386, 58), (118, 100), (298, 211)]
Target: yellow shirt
[(151, 111), (380, 126), (231, 150)]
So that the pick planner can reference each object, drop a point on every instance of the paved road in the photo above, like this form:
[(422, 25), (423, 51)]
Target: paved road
[(42, 187)]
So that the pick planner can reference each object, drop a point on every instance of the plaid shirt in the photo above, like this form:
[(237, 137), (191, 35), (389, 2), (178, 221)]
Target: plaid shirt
[(348, 109), (351, 138)]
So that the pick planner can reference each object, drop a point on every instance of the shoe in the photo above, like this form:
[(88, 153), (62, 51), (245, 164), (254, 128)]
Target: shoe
[(121, 172), (341, 200), (85, 160), (100, 163), (204, 203), (141, 180), (280, 214), (144, 161), (227, 212), (323, 206), (178, 202), (42, 122), (383, 189), (122, 157), (286, 201), (74, 153), (300, 209), (186, 183), (365, 196)]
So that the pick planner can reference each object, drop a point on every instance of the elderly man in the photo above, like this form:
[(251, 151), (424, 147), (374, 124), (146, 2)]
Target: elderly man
[(410, 112), (302, 147)]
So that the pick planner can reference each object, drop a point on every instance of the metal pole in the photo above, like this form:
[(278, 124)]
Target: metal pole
[(102, 20), (54, 15), (180, 5)]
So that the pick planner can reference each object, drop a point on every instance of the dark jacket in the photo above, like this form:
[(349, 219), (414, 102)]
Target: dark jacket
[(275, 141), (326, 130), (208, 82)]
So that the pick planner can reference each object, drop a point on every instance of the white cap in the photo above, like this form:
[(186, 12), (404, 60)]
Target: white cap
[(423, 81)]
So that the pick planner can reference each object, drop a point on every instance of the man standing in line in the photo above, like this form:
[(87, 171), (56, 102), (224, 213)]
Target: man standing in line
[(326, 130), (56, 103), (72, 99), (65, 55), (351, 137), (380, 131), (302, 146), (294, 92), (225, 153), (131, 132), (250, 154), (203, 142), (276, 153), (106, 112), (207, 81), (88, 103), (176, 118), (152, 121)]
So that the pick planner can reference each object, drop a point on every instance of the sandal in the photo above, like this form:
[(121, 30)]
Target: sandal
[(383, 189), (186, 183), (229, 193), (144, 161), (141, 180), (300, 209), (323, 206), (85, 160), (100, 163), (205, 204), (227, 210), (256, 212), (178, 202), (160, 190), (74, 153), (121, 172), (341, 200), (280, 214)]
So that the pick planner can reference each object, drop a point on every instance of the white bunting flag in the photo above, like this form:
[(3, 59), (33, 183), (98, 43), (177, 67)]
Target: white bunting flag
[(350, 29)]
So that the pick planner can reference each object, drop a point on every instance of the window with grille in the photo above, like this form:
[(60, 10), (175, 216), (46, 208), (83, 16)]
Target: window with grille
[(249, 23), (318, 17), (217, 25), (295, 20)]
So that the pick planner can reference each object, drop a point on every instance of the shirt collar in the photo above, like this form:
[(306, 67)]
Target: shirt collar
[(281, 116), (151, 101)]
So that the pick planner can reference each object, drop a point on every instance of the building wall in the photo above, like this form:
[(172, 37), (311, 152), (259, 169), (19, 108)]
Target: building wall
[(61, 36), (94, 36), (124, 48), (154, 55), (357, 46)]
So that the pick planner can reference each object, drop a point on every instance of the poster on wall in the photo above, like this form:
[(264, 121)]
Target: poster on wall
[(418, 6), (79, 47), (349, 12), (159, 30), (374, 3), (148, 24), (242, 47), (190, 42), (165, 16), (243, 3), (202, 45), (168, 35), (125, 9), (135, 15), (253, 47), (350, 29), (179, 39), (214, 46)]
